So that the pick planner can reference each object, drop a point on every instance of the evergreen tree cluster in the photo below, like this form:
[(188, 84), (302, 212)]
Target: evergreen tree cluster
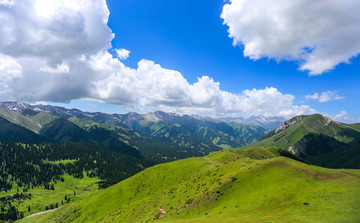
[(8, 211), (25, 166), (30, 165)]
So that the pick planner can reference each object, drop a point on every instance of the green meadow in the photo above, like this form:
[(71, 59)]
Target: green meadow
[(73, 188), (252, 185)]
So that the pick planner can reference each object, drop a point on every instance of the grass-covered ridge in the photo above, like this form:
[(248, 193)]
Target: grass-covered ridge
[(252, 185), (317, 139)]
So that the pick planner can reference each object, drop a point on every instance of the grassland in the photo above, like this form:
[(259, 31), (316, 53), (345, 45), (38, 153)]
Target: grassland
[(252, 185), (40, 197)]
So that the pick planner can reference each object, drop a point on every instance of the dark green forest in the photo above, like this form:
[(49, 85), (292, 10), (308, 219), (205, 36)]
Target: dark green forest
[(33, 165)]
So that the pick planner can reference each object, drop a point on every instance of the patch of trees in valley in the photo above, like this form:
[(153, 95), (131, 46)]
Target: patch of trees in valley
[(27, 166)]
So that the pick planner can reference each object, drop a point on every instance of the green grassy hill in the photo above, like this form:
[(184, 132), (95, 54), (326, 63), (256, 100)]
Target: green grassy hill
[(40, 118), (19, 119), (252, 185), (14, 133), (355, 126), (318, 140), (61, 130)]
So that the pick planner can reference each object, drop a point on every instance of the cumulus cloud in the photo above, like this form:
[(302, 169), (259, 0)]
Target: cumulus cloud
[(9, 68), (55, 30), (324, 96), (58, 51), (152, 86), (122, 54), (343, 116), (319, 34), (60, 68)]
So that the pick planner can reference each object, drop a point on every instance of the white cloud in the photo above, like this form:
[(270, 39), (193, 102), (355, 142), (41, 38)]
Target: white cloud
[(9, 68), (60, 68), (61, 54), (152, 86), (319, 34), (122, 54), (57, 30), (343, 116), (324, 96)]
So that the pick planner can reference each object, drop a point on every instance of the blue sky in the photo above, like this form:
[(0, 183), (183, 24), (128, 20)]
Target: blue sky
[(190, 37)]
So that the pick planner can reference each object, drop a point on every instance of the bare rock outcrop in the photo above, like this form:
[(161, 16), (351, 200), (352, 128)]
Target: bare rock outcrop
[(161, 213)]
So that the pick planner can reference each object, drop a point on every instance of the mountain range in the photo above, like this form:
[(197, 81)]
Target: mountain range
[(164, 137), (157, 136), (271, 122), (127, 119), (266, 179)]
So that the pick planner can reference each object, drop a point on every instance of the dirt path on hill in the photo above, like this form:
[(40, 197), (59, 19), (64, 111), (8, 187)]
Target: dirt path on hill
[(40, 213)]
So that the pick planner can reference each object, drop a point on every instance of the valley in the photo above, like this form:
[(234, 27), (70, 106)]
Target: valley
[(138, 111), (252, 185), (109, 167)]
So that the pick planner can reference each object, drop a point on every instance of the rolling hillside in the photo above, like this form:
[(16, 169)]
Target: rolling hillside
[(19, 119), (252, 185), (14, 133), (318, 140), (61, 130)]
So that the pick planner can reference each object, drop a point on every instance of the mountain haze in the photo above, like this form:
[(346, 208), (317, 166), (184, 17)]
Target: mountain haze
[(265, 122)]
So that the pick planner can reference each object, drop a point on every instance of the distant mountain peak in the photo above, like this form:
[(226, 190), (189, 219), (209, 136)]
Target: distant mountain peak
[(15, 106), (151, 117), (288, 124), (317, 139), (318, 120)]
